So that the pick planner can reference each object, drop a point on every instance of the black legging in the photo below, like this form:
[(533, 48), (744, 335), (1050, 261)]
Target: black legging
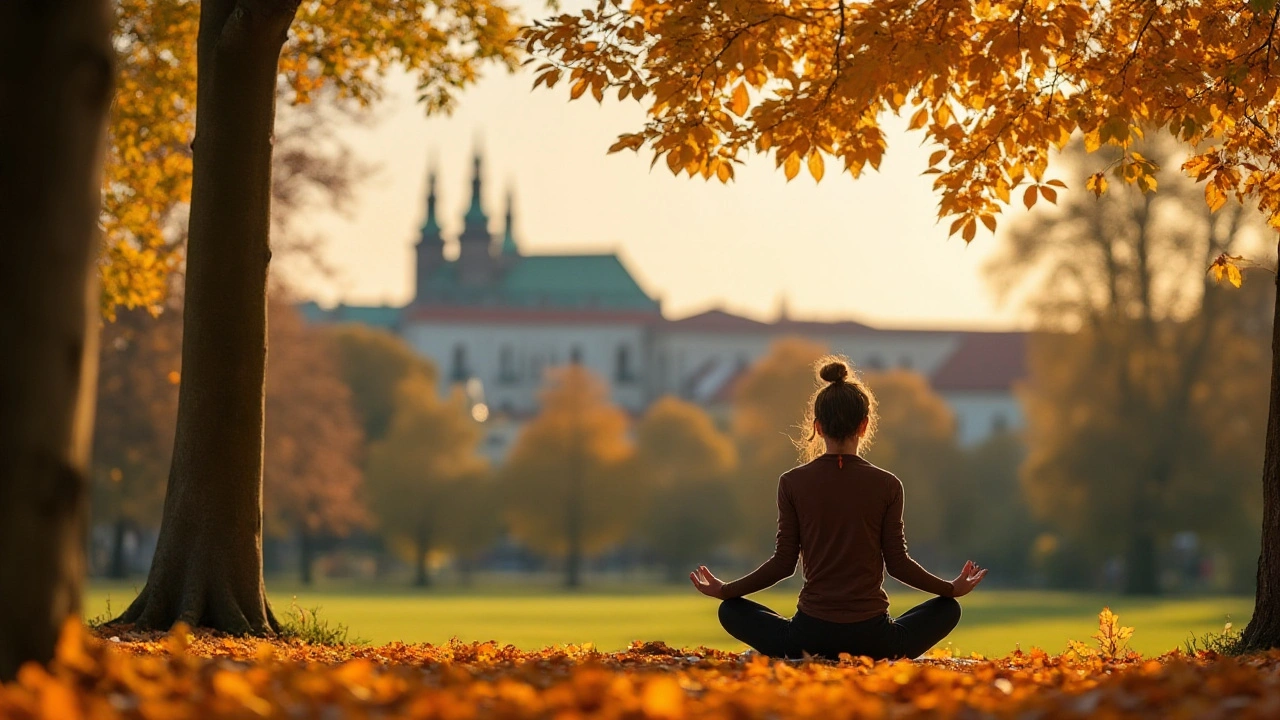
[(909, 636)]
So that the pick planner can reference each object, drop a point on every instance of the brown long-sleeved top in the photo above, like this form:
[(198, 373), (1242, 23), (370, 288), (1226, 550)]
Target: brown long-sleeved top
[(844, 515)]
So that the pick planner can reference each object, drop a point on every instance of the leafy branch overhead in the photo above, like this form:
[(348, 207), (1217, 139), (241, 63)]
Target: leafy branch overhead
[(995, 85)]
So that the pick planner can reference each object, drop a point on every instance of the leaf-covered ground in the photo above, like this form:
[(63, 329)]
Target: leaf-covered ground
[(208, 676)]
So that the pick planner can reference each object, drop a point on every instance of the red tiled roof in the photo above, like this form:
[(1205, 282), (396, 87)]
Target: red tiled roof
[(727, 322), (984, 361), (507, 315)]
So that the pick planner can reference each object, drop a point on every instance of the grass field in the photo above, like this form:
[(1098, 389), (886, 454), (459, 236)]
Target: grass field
[(994, 623)]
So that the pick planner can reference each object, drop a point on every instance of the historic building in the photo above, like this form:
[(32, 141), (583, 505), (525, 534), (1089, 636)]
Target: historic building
[(493, 318)]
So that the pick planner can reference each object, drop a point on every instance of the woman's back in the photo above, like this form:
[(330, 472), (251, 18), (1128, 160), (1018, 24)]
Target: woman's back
[(840, 504)]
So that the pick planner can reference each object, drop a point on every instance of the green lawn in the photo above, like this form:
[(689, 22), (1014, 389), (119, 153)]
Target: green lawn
[(995, 621)]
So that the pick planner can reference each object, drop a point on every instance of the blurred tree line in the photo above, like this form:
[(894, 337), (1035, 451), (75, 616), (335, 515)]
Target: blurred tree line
[(1145, 406)]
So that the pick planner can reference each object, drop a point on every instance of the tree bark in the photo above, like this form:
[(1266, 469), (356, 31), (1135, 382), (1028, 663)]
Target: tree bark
[(55, 87), (207, 569), (1263, 630), (422, 547), (119, 567)]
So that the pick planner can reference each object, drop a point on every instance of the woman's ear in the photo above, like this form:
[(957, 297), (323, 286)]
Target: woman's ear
[(817, 429), (862, 429)]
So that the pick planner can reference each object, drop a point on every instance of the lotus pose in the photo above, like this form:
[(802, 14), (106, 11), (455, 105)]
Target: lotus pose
[(844, 516)]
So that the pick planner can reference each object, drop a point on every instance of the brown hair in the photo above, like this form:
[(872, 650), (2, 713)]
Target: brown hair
[(841, 402)]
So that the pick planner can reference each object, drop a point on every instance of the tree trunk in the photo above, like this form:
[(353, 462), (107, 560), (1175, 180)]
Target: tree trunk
[(1263, 631), (55, 88), (1142, 569), (119, 567), (422, 547), (306, 555), (207, 569)]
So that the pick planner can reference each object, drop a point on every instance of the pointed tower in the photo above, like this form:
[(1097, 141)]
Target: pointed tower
[(508, 249), (430, 246), (475, 261)]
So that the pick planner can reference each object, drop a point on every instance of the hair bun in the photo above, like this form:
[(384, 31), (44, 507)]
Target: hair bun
[(834, 372)]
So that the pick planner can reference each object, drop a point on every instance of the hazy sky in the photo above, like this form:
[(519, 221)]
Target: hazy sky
[(869, 249)]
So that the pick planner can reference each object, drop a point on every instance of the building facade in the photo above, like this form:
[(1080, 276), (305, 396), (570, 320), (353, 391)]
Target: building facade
[(493, 319)]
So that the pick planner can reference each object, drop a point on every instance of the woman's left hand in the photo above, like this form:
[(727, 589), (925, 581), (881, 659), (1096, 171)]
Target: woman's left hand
[(706, 583)]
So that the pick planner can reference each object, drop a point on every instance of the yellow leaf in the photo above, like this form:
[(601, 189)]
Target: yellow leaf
[(937, 157), (989, 221), (1049, 193), (792, 166), (741, 101), (919, 119), (1234, 276), (1097, 184), (970, 230), (816, 165), (578, 88), (1214, 197)]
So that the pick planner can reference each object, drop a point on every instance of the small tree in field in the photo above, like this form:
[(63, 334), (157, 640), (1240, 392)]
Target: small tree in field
[(424, 472), (685, 467), (565, 482), (996, 86), (312, 477)]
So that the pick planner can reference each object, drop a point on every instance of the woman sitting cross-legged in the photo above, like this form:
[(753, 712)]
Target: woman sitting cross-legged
[(844, 516)]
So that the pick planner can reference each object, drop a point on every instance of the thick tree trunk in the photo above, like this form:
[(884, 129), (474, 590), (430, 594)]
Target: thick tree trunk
[(306, 555), (55, 87), (422, 548), (207, 569), (1263, 631), (119, 566)]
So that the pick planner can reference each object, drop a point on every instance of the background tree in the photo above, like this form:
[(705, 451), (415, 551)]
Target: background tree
[(564, 480), (996, 86), (140, 366), (424, 472), (207, 569), (915, 440), (685, 465), (314, 443), (1116, 409), (768, 405), (56, 77), (987, 516), (375, 364)]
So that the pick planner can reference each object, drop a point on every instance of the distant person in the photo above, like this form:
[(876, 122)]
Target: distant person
[(844, 515)]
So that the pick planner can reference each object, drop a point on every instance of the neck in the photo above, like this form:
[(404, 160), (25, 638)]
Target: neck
[(848, 446)]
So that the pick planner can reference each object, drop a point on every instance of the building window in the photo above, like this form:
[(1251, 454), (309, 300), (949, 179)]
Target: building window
[(624, 372), (575, 355), (460, 372), (507, 365)]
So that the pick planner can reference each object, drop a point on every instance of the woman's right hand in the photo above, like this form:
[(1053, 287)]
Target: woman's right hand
[(968, 579), (706, 583)]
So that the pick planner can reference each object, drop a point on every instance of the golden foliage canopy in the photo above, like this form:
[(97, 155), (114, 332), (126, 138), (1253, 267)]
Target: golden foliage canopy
[(994, 85), (346, 49)]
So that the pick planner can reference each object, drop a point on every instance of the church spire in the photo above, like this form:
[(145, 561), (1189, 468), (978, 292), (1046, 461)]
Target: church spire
[(431, 228), (509, 233), (476, 217)]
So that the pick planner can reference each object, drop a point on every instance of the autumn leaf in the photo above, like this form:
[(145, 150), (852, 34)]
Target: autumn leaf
[(792, 166), (1228, 267), (816, 165), (740, 100), (1029, 197)]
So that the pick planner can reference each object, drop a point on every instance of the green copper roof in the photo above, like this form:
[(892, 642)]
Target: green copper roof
[(550, 281), (380, 316)]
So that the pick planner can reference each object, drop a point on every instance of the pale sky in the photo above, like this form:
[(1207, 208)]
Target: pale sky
[(869, 249)]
